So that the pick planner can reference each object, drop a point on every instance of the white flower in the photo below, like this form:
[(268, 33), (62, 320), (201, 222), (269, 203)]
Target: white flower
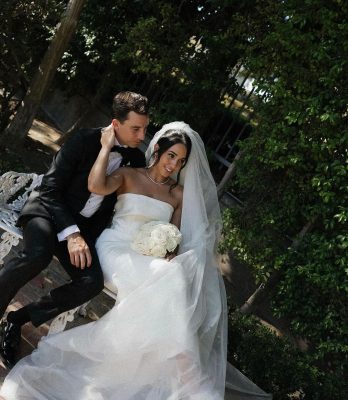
[(156, 238)]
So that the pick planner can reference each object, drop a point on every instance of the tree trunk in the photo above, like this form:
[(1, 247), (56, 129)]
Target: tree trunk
[(240, 285), (22, 121), (264, 290)]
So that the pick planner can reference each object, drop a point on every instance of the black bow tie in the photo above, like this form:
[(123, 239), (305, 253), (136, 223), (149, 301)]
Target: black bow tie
[(124, 151)]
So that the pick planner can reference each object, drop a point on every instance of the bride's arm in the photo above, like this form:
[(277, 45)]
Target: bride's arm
[(98, 181), (176, 220), (176, 217)]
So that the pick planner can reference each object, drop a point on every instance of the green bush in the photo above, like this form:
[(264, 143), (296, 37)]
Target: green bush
[(275, 365)]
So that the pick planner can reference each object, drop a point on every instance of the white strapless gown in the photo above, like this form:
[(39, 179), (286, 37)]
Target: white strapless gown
[(147, 347)]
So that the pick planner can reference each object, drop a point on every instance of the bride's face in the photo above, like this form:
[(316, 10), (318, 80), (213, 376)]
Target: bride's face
[(172, 160)]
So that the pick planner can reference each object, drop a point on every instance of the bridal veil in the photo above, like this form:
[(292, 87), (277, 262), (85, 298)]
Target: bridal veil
[(200, 226)]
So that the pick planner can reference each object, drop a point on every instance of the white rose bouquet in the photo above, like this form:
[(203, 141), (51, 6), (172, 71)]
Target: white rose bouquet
[(156, 238)]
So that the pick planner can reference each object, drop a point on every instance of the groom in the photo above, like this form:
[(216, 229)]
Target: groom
[(64, 219)]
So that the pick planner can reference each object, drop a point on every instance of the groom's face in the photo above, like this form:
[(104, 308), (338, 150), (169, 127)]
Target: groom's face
[(131, 132)]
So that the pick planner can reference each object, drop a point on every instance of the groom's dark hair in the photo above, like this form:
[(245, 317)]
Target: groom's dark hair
[(169, 139), (125, 102)]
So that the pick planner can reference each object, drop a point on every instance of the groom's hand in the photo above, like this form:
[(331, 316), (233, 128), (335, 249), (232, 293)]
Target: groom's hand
[(79, 252)]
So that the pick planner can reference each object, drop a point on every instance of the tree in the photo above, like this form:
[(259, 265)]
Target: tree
[(38, 86), (25, 29)]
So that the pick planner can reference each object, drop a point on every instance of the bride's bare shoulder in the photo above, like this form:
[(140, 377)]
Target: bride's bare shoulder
[(133, 176), (129, 175), (177, 192), (128, 171)]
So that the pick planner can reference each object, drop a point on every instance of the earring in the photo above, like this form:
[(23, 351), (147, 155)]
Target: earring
[(152, 160)]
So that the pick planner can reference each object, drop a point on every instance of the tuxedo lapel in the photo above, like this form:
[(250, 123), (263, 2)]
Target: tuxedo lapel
[(64, 190)]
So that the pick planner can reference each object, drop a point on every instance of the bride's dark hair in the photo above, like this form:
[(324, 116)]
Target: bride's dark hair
[(167, 140)]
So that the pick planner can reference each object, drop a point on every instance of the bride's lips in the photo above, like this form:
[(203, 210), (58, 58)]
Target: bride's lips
[(169, 171)]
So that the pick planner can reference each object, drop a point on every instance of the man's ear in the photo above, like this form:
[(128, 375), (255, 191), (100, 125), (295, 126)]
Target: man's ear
[(115, 123), (156, 147)]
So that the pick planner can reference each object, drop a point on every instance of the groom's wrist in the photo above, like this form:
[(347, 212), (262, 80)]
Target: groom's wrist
[(63, 235), (73, 236)]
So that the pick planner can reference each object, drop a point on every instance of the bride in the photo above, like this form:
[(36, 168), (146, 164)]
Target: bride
[(165, 339)]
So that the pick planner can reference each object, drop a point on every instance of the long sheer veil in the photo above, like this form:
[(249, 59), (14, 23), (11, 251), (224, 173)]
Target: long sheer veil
[(200, 226)]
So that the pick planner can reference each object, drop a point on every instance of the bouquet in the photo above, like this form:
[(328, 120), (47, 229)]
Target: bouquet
[(156, 239)]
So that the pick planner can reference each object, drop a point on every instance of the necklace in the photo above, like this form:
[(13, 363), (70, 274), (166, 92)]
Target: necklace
[(152, 180)]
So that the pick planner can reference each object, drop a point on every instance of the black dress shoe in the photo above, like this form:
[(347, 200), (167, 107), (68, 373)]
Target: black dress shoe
[(10, 335)]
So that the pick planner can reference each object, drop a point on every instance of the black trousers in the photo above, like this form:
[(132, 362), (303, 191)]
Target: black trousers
[(40, 245)]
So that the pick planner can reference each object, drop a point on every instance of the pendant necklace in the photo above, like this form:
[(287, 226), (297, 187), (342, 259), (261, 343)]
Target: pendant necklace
[(152, 180)]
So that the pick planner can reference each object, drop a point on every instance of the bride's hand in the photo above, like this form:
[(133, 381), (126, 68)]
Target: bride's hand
[(172, 254), (107, 138)]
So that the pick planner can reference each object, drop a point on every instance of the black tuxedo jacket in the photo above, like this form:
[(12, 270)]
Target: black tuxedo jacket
[(64, 189)]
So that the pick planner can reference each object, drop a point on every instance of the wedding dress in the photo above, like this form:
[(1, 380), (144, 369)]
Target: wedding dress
[(165, 339)]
